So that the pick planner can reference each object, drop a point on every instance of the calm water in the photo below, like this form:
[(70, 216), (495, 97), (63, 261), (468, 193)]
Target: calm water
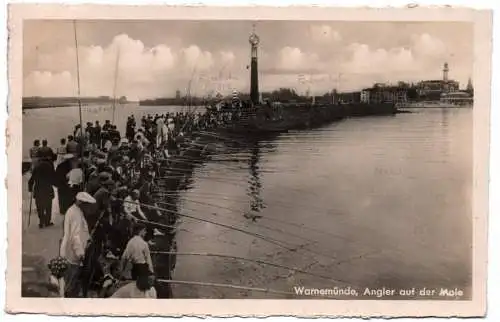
[(373, 202)]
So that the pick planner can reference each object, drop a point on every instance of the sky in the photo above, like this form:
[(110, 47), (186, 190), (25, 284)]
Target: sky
[(148, 59)]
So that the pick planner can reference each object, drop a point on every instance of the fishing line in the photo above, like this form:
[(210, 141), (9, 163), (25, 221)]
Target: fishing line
[(297, 270), (263, 237)]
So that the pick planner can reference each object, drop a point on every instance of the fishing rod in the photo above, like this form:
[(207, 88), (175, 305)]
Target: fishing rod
[(268, 239), (217, 181), (286, 233), (297, 225), (297, 270), (278, 203), (272, 240), (78, 96), (188, 92), (115, 85), (256, 235)]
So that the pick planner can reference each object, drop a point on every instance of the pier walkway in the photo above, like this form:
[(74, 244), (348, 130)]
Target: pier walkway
[(39, 246)]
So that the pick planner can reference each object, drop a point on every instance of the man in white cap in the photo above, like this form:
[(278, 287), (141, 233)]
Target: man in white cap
[(74, 242)]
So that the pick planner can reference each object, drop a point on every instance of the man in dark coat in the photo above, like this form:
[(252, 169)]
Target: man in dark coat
[(72, 146), (41, 184), (46, 152), (63, 189)]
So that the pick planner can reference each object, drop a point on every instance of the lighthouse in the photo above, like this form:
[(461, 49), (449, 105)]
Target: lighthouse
[(254, 73), (445, 72)]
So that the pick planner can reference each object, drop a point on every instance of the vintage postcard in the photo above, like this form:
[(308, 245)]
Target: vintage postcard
[(248, 161)]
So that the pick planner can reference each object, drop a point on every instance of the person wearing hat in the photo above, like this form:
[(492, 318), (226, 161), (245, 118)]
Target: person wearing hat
[(94, 182), (74, 242), (41, 183), (102, 197)]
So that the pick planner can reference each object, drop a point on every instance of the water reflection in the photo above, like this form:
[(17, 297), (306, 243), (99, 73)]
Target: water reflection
[(445, 131), (255, 184), (386, 187)]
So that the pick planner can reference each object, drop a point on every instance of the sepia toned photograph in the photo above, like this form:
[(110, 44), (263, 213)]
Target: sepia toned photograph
[(249, 158)]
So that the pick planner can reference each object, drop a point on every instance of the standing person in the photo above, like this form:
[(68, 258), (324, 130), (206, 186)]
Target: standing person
[(161, 132), (115, 134), (130, 131), (107, 125), (78, 133), (41, 184), (72, 146), (46, 152), (103, 198), (61, 151), (96, 222), (74, 242), (75, 178), (97, 134), (138, 254), (34, 154), (171, 144), (63, 190)]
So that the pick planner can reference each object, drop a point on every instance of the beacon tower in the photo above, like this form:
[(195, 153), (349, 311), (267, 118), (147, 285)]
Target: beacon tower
[(254, 73), (445, 72)]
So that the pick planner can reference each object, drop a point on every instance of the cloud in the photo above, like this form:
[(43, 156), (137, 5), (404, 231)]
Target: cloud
[(49, 84), (194, 57), (293, 58), (142, 71), (367, 60), (161, 69), (427, 46)]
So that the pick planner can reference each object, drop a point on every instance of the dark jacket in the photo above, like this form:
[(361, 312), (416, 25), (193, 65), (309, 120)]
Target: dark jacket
[(73, 147), (46, 152), (42, 180), (61, 171)]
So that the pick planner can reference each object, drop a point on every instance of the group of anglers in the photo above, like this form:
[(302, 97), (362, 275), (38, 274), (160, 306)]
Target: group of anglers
[(105, 184)]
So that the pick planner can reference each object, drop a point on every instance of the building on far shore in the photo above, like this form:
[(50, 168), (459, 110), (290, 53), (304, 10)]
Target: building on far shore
[(431, 90), (380, 93)]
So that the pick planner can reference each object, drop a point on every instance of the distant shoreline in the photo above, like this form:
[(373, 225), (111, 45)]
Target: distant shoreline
[(51, 102)]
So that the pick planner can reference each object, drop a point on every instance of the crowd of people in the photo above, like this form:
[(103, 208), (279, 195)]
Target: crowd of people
[(105, 184)]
